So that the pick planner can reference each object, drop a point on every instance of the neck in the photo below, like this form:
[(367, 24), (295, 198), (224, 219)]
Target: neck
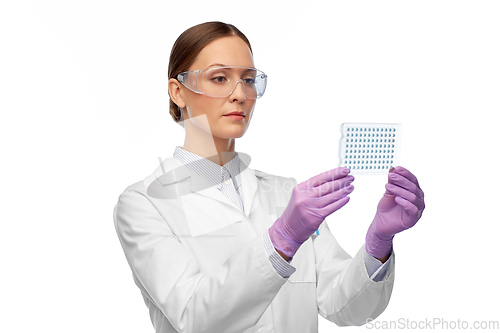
[(202, 143)]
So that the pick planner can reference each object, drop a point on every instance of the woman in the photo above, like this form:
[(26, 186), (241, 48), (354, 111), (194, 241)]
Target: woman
[(216, 246)]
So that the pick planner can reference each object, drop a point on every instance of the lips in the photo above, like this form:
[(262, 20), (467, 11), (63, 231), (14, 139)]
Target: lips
[(235, 113)]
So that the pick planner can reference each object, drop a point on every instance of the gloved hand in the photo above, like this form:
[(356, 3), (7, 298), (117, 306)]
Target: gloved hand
[(399, 209), (311, 202)]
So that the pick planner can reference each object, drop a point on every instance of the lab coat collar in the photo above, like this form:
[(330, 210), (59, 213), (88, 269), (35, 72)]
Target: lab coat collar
[(206, 208), (211, 171)]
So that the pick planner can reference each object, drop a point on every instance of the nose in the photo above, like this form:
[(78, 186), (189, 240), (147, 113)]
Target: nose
[(238, 94)]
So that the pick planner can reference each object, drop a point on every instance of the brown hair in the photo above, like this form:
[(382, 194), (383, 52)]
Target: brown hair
[(189, 45)]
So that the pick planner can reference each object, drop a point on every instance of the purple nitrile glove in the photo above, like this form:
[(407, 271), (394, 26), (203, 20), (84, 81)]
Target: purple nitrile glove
[(399, 209), (311, 202)]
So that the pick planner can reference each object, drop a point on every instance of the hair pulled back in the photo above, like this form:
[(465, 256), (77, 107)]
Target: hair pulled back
[(189, 45)]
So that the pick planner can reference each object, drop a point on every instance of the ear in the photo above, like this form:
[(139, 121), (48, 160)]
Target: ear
[(174, 90)]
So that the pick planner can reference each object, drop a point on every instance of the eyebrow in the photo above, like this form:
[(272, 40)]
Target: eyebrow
[(221, 65), (217, 64)]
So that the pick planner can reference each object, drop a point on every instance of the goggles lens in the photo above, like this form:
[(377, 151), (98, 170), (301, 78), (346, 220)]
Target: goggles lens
[(222, 81)]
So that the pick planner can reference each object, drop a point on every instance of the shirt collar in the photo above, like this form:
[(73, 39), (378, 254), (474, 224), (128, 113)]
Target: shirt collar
[(209, 170)]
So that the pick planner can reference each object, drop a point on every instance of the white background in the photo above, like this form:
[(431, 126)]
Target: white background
[(84, 108)]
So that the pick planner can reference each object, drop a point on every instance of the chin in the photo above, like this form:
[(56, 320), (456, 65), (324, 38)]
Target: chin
[(234, 134), (237, 136)]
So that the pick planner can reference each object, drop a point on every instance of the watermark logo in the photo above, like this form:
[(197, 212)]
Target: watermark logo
[(432, 324)]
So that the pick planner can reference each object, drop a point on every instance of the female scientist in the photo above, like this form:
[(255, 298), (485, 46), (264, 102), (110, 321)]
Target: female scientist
[(215, 246)]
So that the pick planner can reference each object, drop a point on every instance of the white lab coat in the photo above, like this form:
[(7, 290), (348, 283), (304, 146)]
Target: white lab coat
[(201, 265)]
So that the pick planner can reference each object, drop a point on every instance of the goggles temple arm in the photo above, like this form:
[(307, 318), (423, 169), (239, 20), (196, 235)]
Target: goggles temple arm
[(190, 80)]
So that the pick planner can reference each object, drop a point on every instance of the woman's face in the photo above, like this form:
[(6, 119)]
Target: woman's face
[(229, 51)]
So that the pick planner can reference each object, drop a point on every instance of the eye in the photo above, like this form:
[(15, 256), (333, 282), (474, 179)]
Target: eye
[(249, 81), (219, 79)]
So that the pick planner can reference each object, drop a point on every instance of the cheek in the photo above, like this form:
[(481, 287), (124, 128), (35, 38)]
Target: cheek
[(251, 109), (205, 105)]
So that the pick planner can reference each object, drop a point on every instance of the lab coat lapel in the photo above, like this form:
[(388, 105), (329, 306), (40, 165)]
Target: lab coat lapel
[(206, 208), (249, 185)]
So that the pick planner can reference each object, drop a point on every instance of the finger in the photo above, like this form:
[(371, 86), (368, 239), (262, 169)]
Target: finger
[(334, 206), (404, 182), (405, 173), (413, 213), (326, 200), (405, 194), (327, 176), (332, 186)]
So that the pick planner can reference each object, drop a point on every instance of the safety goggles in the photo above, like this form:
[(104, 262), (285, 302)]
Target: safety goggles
[(221, 81)]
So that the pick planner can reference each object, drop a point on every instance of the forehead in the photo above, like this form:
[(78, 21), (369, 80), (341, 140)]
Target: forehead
[(231, 51)]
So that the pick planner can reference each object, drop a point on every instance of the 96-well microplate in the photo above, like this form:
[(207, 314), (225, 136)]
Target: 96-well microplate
[(369, 148)]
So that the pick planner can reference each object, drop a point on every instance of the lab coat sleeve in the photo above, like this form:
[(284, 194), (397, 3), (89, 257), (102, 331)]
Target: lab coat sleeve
[(169, 276), (346, 294), (375, 268), (281, 266)]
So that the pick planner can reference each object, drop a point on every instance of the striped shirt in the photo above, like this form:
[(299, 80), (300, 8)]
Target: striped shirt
[(223, 178)]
